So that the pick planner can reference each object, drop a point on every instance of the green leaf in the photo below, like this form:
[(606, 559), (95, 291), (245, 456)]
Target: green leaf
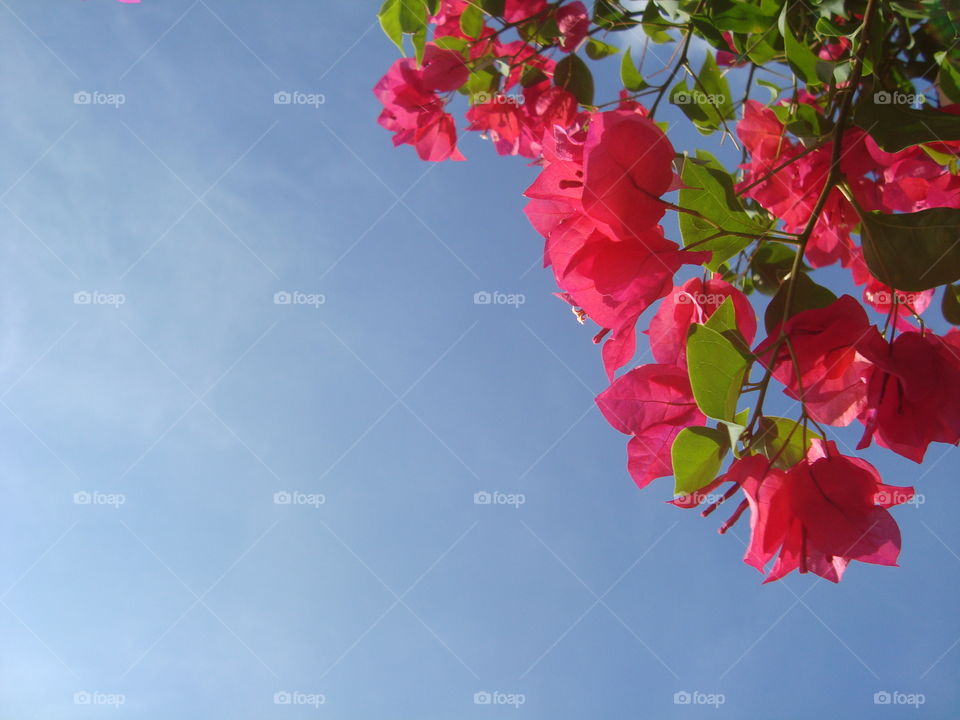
[(801, 58), (724, 318), (913, 10), (709, 32), (573, 75), (772, 87), (709, 191), (951, 304), (543, 31), (801, 119), (413, 15), (653, 24), (841, 72), (807, 295), (402, 16), (786, 437), (716, 370), (912, 251), (736, 428), (389, 17), (681, 96), (758, 48), (834, 7), (493, 7), (597, 50), (471, 21), (770, 265), (531, 76), (697, 455), (825, 70), (950, 75), (715, 85), (419, 39), (724, 321), (449, 42), (896, 126), (826, 26), (629, 75), (677, 10), (941, 158), (741, 17), (483, 80), (609, 15)]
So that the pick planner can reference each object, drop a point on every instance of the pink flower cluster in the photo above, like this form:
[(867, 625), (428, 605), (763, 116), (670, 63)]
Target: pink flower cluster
[(598, 202), (786, 179), (514, 116)]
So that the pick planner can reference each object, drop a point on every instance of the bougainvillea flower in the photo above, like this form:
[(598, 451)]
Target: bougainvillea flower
[(614, 281), (786, 179), (821, 514), (520, 10), (913, 395), (652, 403), (881, 297), (501, 119), (436, 138), (414, 112), (834, 50), (763, 135), (628, 165), (551, 106), (613, 273), (523, 124), (826, 344), (447, 20), (442, 70), (830, 241), (916, 183), (694, 302), (560, 180), (573, 21), (402, 88)]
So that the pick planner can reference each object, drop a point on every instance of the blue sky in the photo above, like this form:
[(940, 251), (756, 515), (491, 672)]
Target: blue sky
[(148, 571)]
